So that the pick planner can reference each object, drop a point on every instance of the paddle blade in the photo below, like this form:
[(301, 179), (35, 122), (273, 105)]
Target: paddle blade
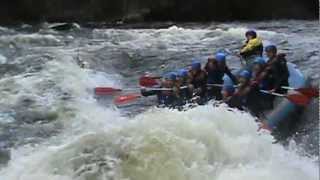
[(147, 81), (105, 90), (309, 92), (264, 126), (121, 100), (298, 99)]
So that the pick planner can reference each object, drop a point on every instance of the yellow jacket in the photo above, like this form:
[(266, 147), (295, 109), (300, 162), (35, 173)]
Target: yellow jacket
[(252, 45)]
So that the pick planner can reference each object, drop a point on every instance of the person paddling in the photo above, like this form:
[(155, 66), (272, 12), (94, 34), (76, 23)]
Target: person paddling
[(227, 92), (249, 90), (183, 83), (169, 97), (276, 73), (198, 81), (252, 48), (258, 68), (216, 68), (260, 83), (239, 99), (246, 96)]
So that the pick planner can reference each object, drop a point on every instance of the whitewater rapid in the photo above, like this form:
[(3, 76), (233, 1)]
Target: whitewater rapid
[(161, 144), (52, 127)]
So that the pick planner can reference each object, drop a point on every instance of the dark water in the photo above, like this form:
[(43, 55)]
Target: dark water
[(47, 100)]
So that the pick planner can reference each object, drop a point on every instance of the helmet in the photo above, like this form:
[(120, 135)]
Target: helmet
[(171, 76), (182, 73), (196, 65), (251, 33), (228, 88), (271, 48), (245, 74), (220, 57), (260, 61)]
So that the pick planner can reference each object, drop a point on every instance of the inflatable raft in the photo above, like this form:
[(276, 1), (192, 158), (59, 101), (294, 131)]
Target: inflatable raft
[(284, 111)]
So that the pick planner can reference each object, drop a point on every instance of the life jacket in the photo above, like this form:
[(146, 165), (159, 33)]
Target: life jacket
[(277, 74), (239, 98), (166, 100), (215, 76), (236, 101), (252, 47), (260, 81), (199, 79), (184, 92)]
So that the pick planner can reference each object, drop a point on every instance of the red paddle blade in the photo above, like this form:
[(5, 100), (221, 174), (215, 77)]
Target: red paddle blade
[(146, 81), (298, 99), (309, 92), (105, 90), (264, 126), (121, 100)]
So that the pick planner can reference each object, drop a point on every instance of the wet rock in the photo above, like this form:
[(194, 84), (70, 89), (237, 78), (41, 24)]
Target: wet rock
[(63, 26)]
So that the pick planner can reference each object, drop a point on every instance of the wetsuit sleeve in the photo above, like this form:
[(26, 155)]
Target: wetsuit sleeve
[(231, 76)]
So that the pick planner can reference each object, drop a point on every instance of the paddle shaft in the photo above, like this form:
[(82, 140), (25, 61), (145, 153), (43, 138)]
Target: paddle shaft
[(273, 93)]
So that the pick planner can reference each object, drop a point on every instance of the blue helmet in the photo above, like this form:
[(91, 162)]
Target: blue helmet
[(220, 57), (171, 76), (196, 65), (260, 61), (245, 74), (251, 33), (182, 73), (228, 88), (271, 48)]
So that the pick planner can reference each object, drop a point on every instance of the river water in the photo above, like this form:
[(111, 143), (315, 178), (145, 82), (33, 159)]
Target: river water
[(52, 127)]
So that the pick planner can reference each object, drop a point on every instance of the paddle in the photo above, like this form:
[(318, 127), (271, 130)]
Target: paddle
[(215, 85), (265, 126), (148, 81), (106, 90), (309, 92), (220, 85), (242, 61), (296, 98), (121, 100), (229, 52), (111, 90)]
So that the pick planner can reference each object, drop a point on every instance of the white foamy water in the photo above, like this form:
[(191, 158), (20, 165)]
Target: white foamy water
[(3, 59), (202, 143), (34, 39), (88, 140)]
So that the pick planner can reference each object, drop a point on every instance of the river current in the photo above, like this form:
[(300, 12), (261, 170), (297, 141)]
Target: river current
[(53, 127)]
